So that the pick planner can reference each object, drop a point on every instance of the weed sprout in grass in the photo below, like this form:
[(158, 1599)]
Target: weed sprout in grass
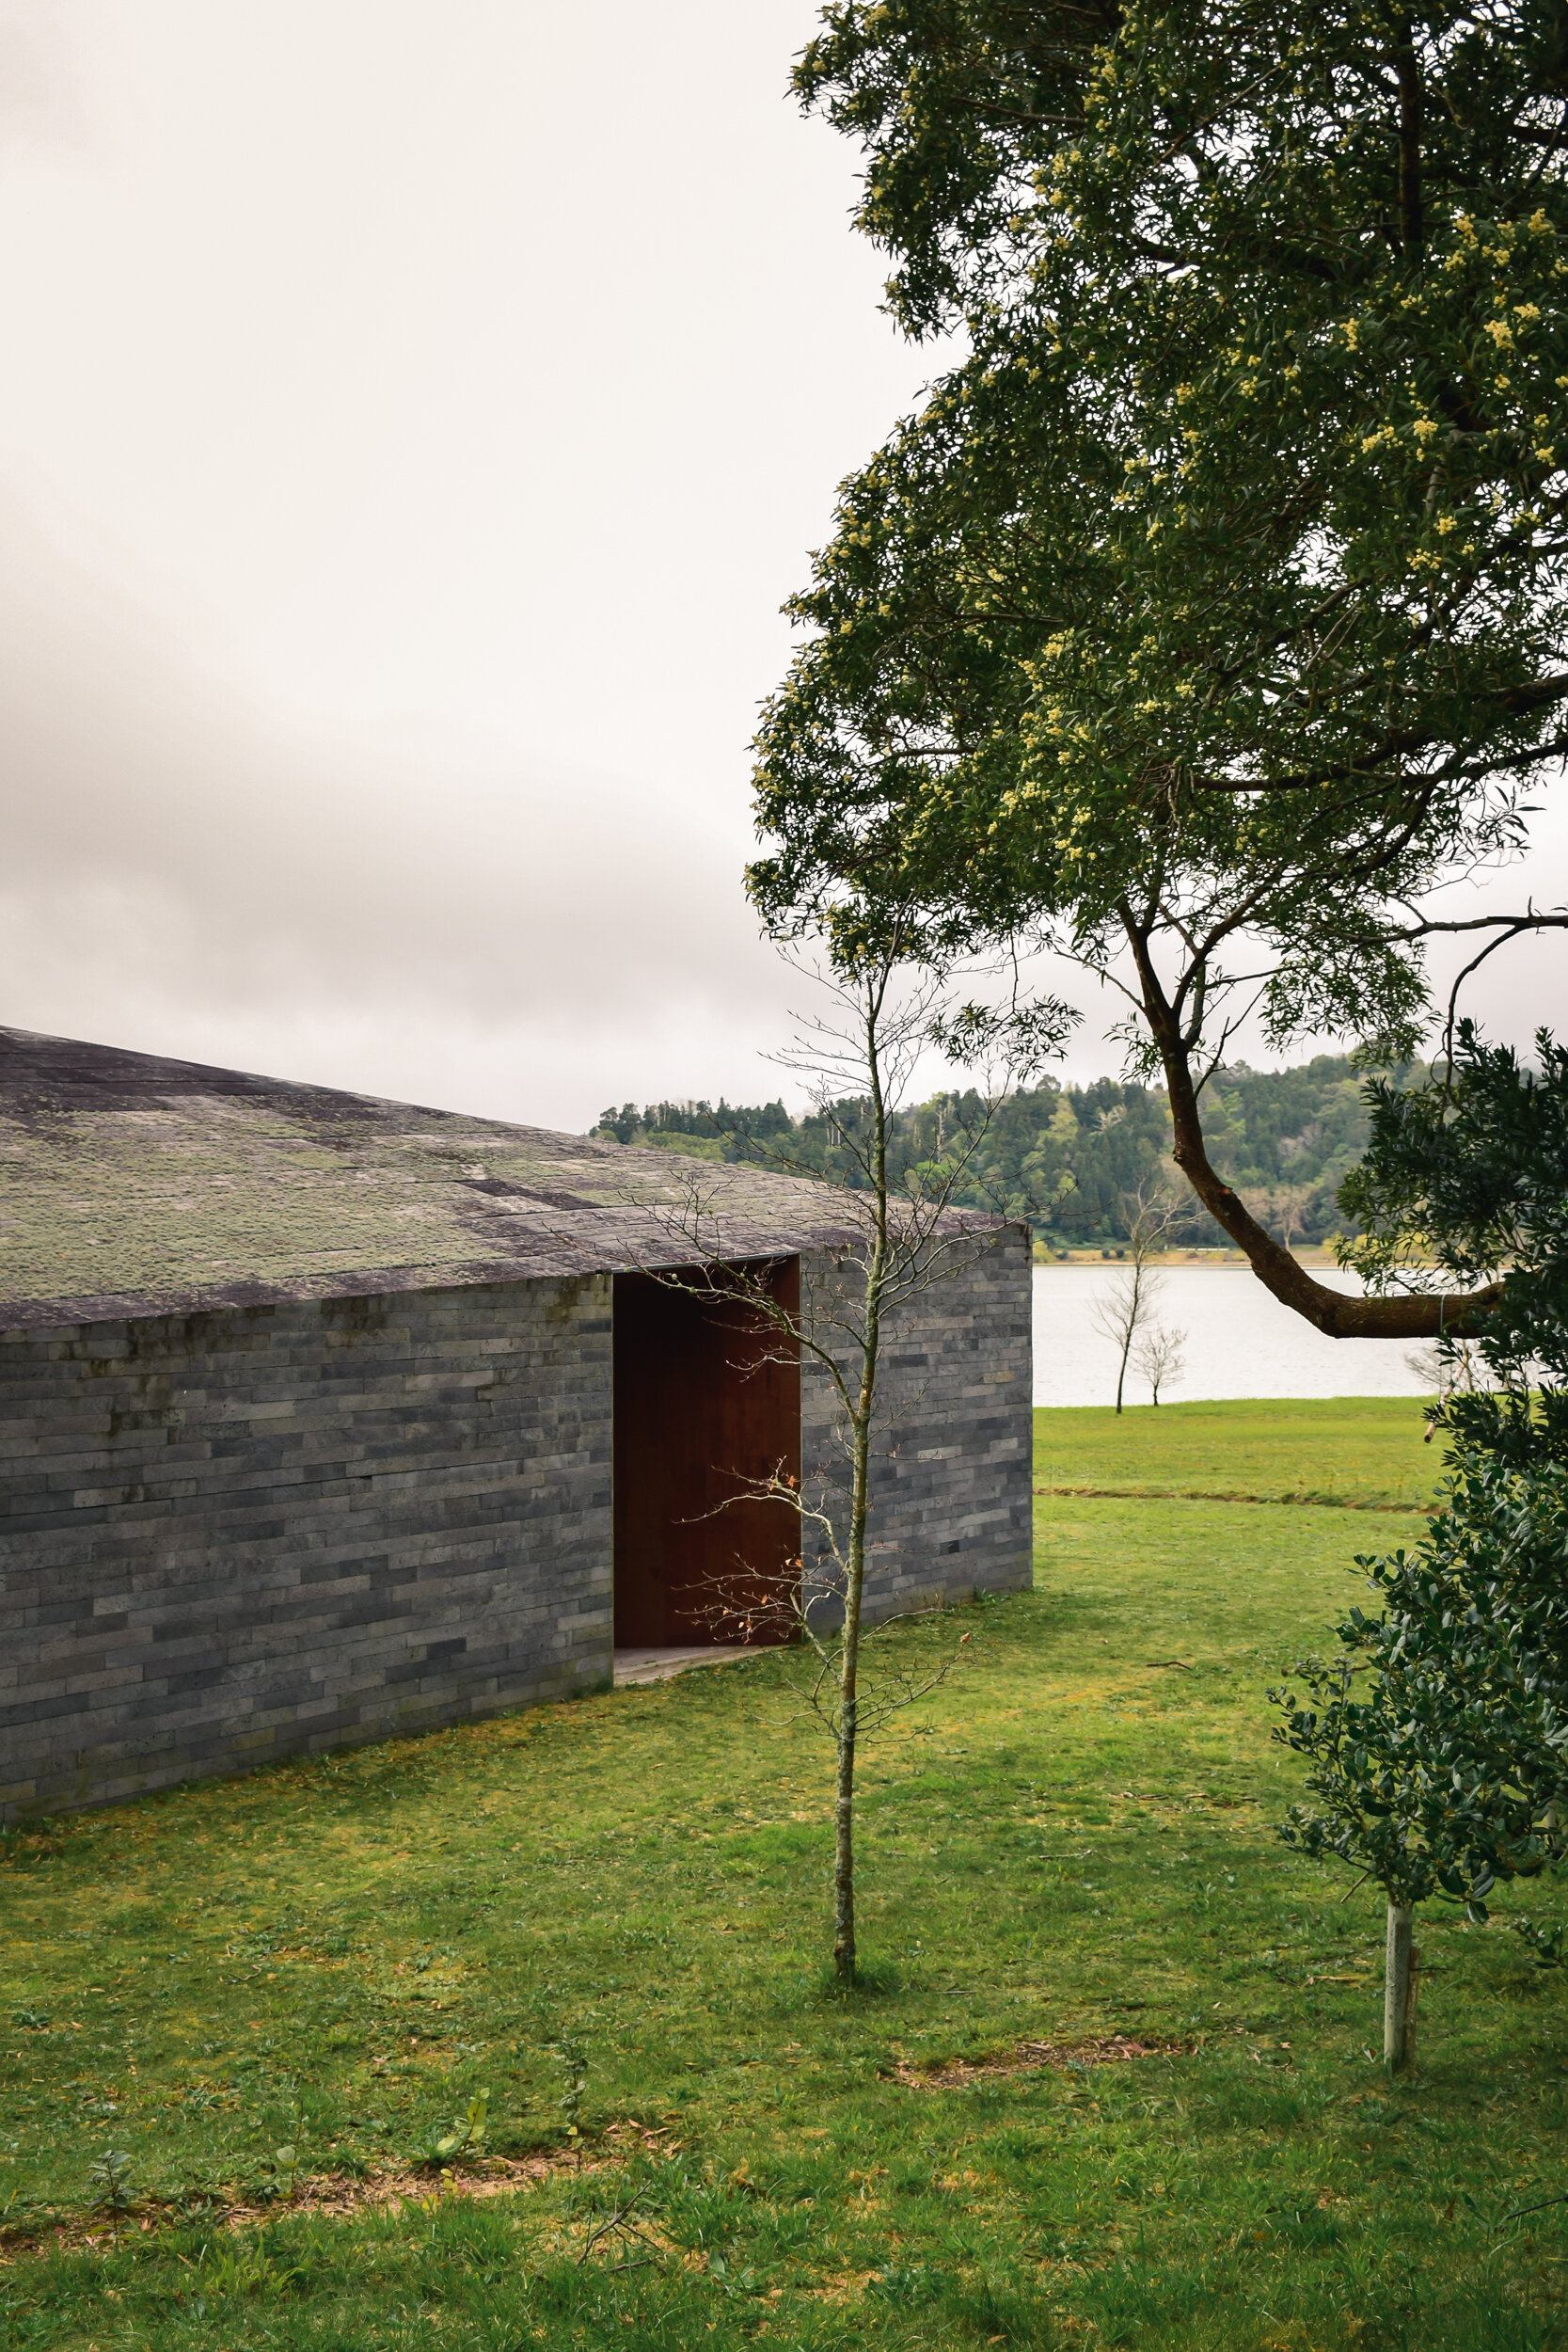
[(111, 2180), (571, 2055), (465, 2136)]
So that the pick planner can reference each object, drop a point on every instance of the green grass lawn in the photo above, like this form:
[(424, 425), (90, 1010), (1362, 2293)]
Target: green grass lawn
[(1361, 1449), (1072, 1839)]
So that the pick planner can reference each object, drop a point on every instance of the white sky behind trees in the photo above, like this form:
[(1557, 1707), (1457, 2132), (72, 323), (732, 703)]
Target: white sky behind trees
[(412, 419)]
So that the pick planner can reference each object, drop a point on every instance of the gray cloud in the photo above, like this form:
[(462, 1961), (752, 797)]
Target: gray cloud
[(188, 873), (381, 909)]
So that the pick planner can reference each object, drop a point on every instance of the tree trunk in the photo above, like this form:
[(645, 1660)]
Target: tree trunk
[(1134, 1316), (859, 1504), (849, 1672), (844, 1846), (1399, 1992)]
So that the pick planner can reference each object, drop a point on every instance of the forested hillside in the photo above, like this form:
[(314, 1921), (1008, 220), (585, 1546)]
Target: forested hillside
[(1069, 1156)]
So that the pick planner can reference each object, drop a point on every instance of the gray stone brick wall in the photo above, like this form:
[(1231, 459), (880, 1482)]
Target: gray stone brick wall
[(952, 1468), (259, 1532), (230, 1536)]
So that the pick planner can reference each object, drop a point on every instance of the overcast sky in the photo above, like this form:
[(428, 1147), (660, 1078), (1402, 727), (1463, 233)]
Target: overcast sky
[(412, 419)]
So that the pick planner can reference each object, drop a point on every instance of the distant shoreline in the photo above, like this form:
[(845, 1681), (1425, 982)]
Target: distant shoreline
[(1219, 1259)]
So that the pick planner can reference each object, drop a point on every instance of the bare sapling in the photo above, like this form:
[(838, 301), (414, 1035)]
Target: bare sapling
[(1124, 1312), (1455, 1369), (1158, 1356), (908, 1233)]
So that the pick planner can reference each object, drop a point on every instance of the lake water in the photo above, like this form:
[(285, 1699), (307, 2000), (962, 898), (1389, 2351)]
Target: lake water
[(1240, 1342)]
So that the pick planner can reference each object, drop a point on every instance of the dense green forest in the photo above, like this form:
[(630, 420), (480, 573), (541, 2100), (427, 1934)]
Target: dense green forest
[(1067, 1157)]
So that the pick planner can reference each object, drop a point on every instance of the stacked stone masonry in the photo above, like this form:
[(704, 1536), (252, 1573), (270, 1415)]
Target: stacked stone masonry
[(232, 1537), (952, 1457)]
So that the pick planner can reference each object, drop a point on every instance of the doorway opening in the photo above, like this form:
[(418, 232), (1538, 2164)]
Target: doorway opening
[(707, 1399)]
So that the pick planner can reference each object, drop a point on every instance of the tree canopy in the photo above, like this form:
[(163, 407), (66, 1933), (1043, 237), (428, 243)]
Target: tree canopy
[(1211, 612)]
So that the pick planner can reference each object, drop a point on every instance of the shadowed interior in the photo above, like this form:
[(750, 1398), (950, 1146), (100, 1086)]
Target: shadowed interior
[(708, 1401)]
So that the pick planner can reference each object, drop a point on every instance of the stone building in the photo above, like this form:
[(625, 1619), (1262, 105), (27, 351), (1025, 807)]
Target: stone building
[(324, 1418)]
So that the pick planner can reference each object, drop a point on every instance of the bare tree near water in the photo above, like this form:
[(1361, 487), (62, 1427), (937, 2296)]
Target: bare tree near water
[(1454, 1369), (1124, 1312), (1159, 1358), (859, 1063), (1282, 1210)]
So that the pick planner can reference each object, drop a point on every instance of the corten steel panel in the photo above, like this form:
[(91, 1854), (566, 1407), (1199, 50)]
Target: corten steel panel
[(707, 1399)]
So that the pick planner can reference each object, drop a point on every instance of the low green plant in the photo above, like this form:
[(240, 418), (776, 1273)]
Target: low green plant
[(571, 2057), (465, 2136), (1544, 1939), (223, 2268), (288, 2158), (111, 2180)]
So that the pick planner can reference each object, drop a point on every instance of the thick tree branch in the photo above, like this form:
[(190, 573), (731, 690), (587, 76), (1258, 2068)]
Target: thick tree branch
[(1422, 1316), (1510, 701)]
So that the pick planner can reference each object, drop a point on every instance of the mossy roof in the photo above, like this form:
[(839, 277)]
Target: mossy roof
[(132, 1186)]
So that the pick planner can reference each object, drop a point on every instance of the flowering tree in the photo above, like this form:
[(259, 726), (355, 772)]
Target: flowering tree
[(1211, 612)]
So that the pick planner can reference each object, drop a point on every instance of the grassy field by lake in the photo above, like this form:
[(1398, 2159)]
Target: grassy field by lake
[(1071, 1843), (1356, 1450)]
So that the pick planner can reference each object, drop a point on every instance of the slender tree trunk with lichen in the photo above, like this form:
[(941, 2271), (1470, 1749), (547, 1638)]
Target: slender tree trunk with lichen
[(859, 1504), (1398, 1991)]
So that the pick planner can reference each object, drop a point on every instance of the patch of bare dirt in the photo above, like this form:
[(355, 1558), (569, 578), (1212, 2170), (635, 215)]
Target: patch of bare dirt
[(337, 2193), (1232, 1494), (1029, 2058)]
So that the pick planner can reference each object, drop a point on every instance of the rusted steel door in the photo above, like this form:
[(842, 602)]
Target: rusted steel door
[(707, 1402)]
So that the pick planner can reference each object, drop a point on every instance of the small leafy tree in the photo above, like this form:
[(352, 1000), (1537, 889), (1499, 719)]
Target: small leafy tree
[(1438, 1738)]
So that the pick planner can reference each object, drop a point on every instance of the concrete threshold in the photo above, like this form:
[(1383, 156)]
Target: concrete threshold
[(658, 1665)]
